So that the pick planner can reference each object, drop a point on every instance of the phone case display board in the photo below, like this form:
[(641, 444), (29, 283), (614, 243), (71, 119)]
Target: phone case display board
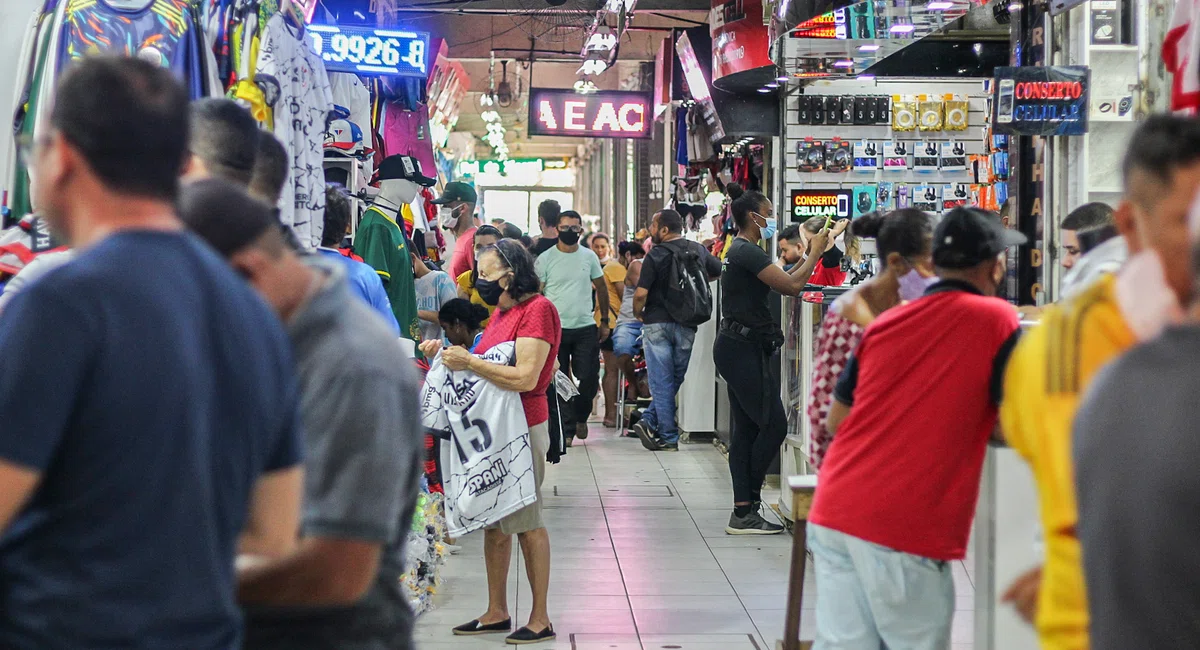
[(895, 143)]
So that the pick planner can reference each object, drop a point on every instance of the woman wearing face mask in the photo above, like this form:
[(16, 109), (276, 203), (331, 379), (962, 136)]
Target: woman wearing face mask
[(904, 241), (485, 236), (506, 279), (746, 354)]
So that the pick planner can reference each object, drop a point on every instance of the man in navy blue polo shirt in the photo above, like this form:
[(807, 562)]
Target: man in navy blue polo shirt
[(912, 415)]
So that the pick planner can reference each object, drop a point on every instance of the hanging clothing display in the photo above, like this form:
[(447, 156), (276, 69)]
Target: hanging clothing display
[(164, 32), (351, 93), (407, 133), (488, 465), (1181, 55), (301, 112), (383, 245)]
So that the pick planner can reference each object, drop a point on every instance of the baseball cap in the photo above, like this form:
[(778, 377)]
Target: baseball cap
[(344, 138), (401, 167), (457, 191), (966, 237)]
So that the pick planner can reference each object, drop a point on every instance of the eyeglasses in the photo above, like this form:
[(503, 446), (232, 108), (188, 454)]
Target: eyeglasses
[(570, 229)]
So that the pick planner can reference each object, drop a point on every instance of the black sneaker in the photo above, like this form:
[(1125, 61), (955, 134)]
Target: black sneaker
[(581, 431), (649, 440), (666, 446), (751, 524)]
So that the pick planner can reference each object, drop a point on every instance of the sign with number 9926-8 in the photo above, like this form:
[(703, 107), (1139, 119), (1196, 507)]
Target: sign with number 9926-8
[(371, 50)]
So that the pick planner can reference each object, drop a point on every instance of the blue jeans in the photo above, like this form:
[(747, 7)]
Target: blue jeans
[(668, 349), (873, 597), (625, 339)]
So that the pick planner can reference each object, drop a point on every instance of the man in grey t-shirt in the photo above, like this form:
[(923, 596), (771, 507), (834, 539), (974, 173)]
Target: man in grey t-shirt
[(1138, 481), (340, 588)]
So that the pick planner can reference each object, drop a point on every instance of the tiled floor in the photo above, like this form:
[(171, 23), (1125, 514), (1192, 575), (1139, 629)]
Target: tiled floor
[(641, 561)]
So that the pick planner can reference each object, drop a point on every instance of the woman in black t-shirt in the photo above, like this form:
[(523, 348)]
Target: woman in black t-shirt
[(746, 355)]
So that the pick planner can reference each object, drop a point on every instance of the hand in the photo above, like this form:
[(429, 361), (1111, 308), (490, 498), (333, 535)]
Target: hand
[(819, 242), (605, 332), (456, 358), (430, 348), (1023, 594)]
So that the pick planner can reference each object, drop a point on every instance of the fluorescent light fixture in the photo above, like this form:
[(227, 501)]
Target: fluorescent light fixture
[(764, 90), (939, 5), (783, 78), (843, 64), (865, 77), (902, 29), (773, 84), (869, 48)]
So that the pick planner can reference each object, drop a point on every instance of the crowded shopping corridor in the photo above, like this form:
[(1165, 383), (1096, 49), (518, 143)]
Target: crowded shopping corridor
[(641, 561)]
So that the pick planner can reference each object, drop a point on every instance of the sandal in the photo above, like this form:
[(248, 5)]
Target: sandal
[(526, 636), (475, 628)]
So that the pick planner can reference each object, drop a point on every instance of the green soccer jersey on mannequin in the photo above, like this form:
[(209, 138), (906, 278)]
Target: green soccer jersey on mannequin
[(382, 244)]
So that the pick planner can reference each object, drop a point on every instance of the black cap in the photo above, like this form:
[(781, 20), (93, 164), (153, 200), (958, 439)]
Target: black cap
[(966, 237), (457, 191), (405, 168)]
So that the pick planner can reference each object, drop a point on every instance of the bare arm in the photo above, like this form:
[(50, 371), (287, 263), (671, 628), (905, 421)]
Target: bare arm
[(789, 283), (428, 316), (274, 520), (634, 273), (16, 485), (321, 572), (837, 414), (523, 377), (639, 302), (601, 287)]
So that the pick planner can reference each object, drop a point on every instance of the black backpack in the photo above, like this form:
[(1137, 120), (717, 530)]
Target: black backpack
[(688, 298)]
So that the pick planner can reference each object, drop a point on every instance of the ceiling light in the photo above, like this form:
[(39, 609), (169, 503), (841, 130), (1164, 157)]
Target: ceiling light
[(764, 90), (865, 77), (783, 78), (773, 84), (843, 64), (902, 29), (939, 5), (869, 48)]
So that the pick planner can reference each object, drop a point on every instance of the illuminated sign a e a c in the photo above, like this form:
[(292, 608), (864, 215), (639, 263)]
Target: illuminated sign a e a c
[(605, 114)]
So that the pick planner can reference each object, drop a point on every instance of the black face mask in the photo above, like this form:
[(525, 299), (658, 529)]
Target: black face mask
[(489, 291), (568, 237)]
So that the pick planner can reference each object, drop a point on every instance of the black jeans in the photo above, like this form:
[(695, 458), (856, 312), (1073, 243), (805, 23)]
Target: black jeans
[(580, 353), (751, 372)]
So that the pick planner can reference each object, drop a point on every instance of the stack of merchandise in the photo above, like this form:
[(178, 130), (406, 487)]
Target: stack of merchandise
[(425, 551)]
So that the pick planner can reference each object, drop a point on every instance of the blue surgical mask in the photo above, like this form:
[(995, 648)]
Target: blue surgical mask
[(768, 231)]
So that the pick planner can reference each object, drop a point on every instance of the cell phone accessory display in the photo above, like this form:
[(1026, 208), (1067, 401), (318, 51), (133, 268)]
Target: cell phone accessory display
[(925, 197), (811, 155), (926, 157), (954, 156), (848, 110), (903, 197), (931, 114), (883, 110), (866, 156), (861, 113), (885, 197), (833, 110), (804, 109), (818, 109), (895, 156), (904, 115), (838, 156), (957, 113), (955, 195), (865, 198)]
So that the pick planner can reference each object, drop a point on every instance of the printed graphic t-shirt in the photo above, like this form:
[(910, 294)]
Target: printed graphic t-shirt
[(536, 318), (433, 291), (383, 246), (305, 102), (141, 409)]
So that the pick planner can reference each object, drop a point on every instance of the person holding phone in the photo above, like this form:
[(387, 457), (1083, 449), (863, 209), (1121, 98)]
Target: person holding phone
[(746, 355)]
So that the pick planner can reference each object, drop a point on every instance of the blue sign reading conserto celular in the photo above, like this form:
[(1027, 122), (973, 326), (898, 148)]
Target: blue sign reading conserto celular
[(371, 50)]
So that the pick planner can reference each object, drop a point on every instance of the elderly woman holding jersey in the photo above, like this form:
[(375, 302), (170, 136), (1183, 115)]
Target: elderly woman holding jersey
[(506, 279)]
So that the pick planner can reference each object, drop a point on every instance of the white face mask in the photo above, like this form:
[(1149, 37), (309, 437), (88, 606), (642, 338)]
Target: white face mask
[(1146, 301), (447, 217)]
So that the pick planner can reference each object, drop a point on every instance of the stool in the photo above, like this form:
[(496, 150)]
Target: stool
[(802, 487)]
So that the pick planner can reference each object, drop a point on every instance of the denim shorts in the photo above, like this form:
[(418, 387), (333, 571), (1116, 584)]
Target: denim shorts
[(625, 339)]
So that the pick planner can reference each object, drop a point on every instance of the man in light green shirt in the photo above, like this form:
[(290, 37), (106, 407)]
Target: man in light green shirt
[(571, 276)]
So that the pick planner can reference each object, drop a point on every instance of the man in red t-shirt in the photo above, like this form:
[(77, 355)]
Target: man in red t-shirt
[(456, 216), (911, 418)]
